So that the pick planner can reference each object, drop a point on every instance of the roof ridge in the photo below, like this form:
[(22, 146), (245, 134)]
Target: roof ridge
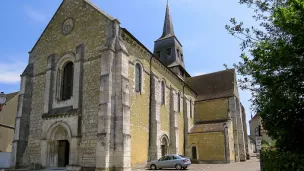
[(101, 11), (213, 73)]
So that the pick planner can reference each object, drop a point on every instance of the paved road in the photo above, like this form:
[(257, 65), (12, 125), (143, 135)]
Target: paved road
[(251, 165)]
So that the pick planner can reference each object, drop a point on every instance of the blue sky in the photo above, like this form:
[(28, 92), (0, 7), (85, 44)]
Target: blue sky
[(199, 25)]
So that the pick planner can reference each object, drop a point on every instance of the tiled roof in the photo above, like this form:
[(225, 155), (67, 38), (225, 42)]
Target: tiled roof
[(168, 30), (214, 85), (208, 127)]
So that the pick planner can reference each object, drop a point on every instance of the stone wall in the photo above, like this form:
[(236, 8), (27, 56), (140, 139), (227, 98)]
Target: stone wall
[(231, 142), (165, 121), (253, 124), (7, 117), (90, 109), (88, 28), (109, 125), (220, 115), (210, 146), (139, 125), (211, 110)]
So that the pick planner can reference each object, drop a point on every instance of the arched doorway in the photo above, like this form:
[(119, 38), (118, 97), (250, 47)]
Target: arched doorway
[(63, 146), (58, 142), (164, 146)]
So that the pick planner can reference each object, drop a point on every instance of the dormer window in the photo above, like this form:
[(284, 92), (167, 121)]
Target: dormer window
[(169, 52)]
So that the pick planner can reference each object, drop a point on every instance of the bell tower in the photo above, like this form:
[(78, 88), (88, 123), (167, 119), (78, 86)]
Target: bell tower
[(168, 49)]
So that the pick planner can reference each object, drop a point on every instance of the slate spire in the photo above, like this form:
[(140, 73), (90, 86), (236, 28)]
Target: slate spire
[(168, 30), (168, 49)]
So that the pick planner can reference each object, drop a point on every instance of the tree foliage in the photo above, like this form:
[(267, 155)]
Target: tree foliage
[(281, 161), (272, 67)]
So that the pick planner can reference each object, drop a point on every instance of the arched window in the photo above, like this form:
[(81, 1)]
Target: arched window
[(67, 81), (191, 108), (178, 101), (163, 92), (194, 156), (138, 78)]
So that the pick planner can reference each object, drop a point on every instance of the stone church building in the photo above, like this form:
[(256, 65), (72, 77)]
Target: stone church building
[(93, 97)]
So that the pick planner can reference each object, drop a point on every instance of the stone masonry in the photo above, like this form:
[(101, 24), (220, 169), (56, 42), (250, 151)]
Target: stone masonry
[(106, 124)]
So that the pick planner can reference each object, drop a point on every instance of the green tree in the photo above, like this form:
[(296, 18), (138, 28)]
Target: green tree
[(272, 67)]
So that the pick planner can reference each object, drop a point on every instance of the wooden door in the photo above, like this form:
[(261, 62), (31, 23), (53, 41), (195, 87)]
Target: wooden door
[(63, 153)]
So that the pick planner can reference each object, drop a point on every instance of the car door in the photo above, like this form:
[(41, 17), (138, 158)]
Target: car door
[(160, 162), (165, 162), (171, 162)]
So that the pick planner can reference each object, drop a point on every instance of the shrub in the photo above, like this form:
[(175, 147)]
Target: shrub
[(282, 161)]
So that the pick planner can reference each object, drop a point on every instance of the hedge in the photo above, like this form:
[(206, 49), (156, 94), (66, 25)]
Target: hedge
[(282, 161)]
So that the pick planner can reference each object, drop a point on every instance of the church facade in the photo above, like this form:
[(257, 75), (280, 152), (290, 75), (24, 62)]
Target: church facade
[(93, 97)]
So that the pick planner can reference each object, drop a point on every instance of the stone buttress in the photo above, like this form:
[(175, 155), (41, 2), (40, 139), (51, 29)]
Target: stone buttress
[(23, 114), (113, 144), (154, 149), (174, 122)]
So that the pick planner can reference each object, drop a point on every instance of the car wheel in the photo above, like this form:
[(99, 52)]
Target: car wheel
[(153, 167), (178, 167)]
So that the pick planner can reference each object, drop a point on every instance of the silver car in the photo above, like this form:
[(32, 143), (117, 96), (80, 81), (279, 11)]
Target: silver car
[(170, 161)]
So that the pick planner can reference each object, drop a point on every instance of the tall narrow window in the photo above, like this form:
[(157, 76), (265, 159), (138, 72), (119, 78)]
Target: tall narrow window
[(163, 92), (194, 156), (158, 54), (178, 102), (191, 108), (67, 81), (177, 52), (137, 78), (182, 57)]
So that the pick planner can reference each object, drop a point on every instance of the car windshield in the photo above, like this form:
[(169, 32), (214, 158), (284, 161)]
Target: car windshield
[(181, 156)]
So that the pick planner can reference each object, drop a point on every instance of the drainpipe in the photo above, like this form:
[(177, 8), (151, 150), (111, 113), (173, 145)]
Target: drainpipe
[(150, 108), (185, 116)]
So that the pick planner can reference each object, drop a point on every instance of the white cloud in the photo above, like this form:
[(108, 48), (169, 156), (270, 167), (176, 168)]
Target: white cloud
[(35, 14), (11, 70)]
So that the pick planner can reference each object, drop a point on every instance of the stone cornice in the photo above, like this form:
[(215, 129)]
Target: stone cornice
[(63, 112)]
